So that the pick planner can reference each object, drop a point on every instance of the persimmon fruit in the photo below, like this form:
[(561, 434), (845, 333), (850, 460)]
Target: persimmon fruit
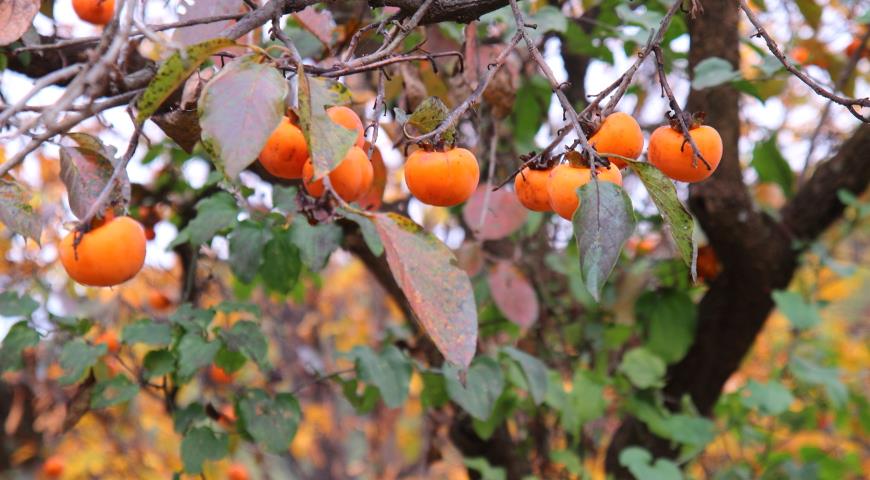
[(285, 152), (564, 181), (619, 134), (219, 375), (110, 340), (53, 467), (441, 178), (348, 119), (800, 54), (350, 179), (531, 187), (853, 47), (707, 264), (98, 12), (237, 471), (109, 254), (372, 198), (158, 300), (671, 153)]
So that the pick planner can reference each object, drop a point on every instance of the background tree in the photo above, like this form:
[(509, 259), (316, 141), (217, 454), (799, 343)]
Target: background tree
[(251, 345)]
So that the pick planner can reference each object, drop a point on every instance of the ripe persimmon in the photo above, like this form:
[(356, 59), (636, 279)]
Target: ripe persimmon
[(110, 340), (853, 47), (53, 466), (158, 300), (531, 188), (371, 199), (110, 253), (442, 178), (219, 375), (350, 179), (348, 119), (800, 54), (707, 264), (564, 181), (619, 134), (671, 153), (98, 12), (285, 152), (237, 471)]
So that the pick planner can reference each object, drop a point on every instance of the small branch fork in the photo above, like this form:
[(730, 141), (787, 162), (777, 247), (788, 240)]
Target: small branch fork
[(677, 111), (849, 103)]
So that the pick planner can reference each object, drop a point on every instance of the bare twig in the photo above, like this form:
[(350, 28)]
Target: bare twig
[(493, 146), (43, 82), (379, 106), (342, 70), (841, 82), (849, 103), (394, 39), (678, 112), (457, 113)]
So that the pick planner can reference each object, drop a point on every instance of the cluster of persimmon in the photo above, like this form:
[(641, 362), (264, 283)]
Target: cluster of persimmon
[(436, 177), (554, 188)]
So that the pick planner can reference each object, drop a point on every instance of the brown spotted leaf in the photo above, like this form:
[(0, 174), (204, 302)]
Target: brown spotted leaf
[(513, 294), (238, 110), (85, 174), (15, 18), (438, 290), (504, 213), (15, 211)]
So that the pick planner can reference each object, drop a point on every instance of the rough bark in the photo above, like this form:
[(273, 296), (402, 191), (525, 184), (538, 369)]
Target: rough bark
[(756, 251), (462, 11)]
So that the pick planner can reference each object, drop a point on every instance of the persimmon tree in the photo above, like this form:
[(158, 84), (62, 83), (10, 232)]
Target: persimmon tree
[(534, 342)]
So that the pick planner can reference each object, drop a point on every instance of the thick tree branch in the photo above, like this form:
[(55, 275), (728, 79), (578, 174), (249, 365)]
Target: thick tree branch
[(462, 11)]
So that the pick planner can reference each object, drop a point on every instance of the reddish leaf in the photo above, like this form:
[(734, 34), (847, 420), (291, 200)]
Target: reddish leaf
[(319, 23), (15, 18), (371, 200), (470, 257), (328, 142), (437, 289), (201, 9), (513, 294), (86, 169), (504, 214)]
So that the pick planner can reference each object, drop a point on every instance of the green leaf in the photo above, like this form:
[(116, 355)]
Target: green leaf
[(229, 361), (504, 408), (12, 305), (201, 444), (76, 357), (183, 418), (316, 242), (238, 110), (272, 422), (643, 368), (284, 198), (328, 142), (484, 384), (671, 318), (247, 337), (772, 166), (811, 11), (438, 290), (770, 398), (390, 371), (584, 403), (534, 371), (19, 337), (639, 463), (194, 352), (118, 389), (280, 270), (713, 71), (246, 249), (690, 430), (173, 72), (602, 223), (434, 393), (192, 319), (16, 213), (428, 115), (158, 363), (148, 332), (368, 230), (363, 402), (678, 219), (213, 214), (486, 471), (800, 313), (810, 372)]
